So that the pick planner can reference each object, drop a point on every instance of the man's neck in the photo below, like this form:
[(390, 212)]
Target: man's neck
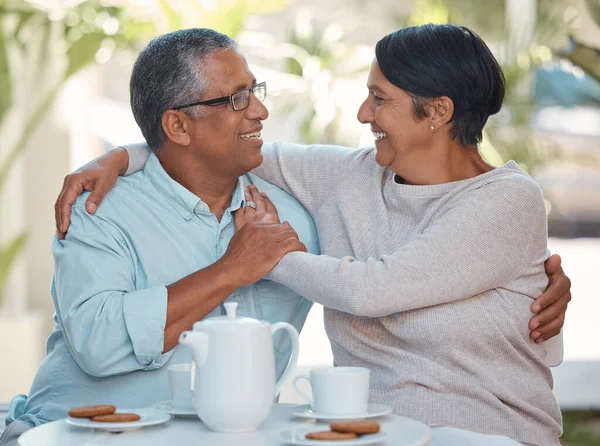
[(214, 187)]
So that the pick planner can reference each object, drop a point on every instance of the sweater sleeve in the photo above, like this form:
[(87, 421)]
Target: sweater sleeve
[(138, 155), (481, 242), (306, 172), (309, 173)]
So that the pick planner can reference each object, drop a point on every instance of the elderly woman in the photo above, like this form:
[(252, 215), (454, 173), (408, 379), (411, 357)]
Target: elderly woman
[(431, 258)]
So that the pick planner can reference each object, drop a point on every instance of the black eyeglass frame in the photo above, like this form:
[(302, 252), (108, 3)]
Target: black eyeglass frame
[(227, 99)]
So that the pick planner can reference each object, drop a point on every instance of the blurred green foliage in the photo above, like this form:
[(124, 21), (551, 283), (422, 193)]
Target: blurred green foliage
[(581, 428), (225, 16), (28, 33), (584, 56), (321, 57), (509, 134), (68, 38)]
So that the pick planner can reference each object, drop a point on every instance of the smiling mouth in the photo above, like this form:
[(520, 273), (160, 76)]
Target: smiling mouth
[(379, 135), (250, 136)]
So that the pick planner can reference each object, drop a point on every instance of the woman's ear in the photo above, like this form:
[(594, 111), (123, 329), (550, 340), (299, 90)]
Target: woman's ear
[(440, 111), (176, 126)]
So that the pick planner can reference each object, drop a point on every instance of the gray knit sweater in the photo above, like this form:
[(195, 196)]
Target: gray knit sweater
[(428, 286)]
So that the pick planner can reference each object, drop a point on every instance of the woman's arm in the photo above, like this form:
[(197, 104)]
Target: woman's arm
[(309, 173), (484, 242)]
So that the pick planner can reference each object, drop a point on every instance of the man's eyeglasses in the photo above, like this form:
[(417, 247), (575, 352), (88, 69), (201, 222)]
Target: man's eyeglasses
[(238, 100)]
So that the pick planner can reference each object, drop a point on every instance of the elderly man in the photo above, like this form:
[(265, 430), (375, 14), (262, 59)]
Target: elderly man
[(162, 251)]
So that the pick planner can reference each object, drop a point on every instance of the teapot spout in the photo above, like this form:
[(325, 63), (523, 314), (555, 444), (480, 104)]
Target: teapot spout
[(198, 342)]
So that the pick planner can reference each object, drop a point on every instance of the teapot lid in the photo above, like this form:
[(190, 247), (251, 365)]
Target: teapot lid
[(231, 318)]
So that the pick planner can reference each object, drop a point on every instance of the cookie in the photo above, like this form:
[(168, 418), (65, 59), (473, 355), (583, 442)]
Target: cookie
[(92, 411), (330, 436), (358, 427), (117, 418)]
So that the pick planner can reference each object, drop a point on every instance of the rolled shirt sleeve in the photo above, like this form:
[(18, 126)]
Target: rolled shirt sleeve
[(110, 326)]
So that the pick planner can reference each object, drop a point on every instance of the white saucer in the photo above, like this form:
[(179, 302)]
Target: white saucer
[(165, 406), (298, 437), (373, 410), (148, 417)]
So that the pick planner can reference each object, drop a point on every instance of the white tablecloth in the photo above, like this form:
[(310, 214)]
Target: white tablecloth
[(181, 431)]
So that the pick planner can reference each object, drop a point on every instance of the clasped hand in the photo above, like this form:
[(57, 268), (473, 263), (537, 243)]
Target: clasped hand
[(260, 240)]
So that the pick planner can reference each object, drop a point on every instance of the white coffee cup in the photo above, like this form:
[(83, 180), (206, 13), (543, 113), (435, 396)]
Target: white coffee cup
[(180, 384), (337, 390)]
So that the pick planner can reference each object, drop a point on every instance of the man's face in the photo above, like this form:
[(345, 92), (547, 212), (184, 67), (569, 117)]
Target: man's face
[(222, 137)]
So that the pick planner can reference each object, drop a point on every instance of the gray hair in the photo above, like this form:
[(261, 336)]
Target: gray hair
[(166, 74)]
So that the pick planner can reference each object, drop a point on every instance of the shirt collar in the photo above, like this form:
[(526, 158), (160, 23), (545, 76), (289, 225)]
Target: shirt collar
[(184, 201), (239, 197)]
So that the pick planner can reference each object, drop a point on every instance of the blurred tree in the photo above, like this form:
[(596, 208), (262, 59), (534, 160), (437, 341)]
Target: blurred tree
[(225, 16), (55, 40), (29, 35), (322, 61), (317, 53), (594, 9), (507, 135), (584, 55)]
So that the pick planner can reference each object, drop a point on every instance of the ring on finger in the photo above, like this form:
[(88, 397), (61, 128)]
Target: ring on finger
[(251, 204)]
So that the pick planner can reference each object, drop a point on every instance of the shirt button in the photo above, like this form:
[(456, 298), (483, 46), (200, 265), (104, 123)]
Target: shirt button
[(187, 214), (221, 235)]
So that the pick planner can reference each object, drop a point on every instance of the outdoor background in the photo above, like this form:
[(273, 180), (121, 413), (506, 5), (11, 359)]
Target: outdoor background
[(64, 99)]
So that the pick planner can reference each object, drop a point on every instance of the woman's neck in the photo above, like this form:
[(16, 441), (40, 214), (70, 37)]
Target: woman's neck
[(440, 163)]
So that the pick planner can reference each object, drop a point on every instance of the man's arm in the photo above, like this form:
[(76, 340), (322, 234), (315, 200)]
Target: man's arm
[(111, 327), (253, 251)]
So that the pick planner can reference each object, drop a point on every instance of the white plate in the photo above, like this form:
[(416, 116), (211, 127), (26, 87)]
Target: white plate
[(165, 406), (148, 417), (298, 437), (373, 410)]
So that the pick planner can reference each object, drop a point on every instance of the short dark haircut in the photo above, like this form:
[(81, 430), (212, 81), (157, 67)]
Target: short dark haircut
[(431, 61), (167, 73)]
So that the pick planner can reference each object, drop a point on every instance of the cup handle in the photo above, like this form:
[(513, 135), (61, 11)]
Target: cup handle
[(297, 389), (291, 367)]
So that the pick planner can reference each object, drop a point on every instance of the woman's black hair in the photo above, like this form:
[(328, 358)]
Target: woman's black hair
[(431, 61)]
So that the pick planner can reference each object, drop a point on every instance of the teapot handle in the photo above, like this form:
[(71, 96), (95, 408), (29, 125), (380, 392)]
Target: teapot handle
[(291, 367)]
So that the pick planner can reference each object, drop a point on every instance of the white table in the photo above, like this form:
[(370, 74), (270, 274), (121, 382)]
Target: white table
[(192, 432)]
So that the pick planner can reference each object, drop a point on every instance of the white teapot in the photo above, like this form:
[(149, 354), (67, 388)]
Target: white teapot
[(234, 380)]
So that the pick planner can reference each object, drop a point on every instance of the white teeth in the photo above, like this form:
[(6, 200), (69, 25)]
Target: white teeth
[(379, 135), (248, 136)]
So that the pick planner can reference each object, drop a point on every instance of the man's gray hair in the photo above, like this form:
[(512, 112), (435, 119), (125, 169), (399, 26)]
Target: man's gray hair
[(167, 74)]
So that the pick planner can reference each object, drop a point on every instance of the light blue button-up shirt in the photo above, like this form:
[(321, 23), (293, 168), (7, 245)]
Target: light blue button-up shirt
[(110, 295)]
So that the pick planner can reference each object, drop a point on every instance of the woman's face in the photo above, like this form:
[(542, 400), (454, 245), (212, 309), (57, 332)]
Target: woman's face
[(389, 111)]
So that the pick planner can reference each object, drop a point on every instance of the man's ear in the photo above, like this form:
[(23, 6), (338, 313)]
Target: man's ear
[(177, 127)]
